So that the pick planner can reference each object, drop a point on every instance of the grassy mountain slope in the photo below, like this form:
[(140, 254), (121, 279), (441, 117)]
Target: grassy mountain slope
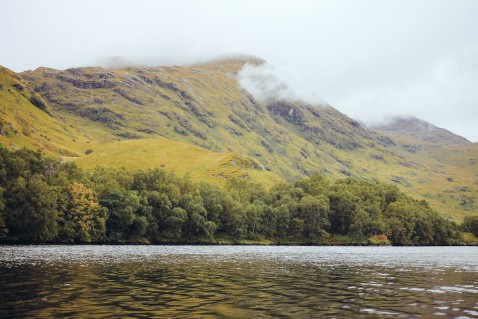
[(448, 176), (205, 106), (28, 120), (140, 113), (24, 124), (180, 157)]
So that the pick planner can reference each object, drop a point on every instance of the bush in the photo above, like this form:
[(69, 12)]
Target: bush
[(88, 151), (379, 240), (36, 100)]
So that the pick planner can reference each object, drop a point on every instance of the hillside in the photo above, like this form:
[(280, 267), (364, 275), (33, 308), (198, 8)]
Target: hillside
[(27, 120), (120, 113), (202, 105), (447, 157), (180, 157)]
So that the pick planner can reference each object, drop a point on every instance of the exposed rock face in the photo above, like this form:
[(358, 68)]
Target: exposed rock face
[(323, 124), (87, 85), (103, 115), (288, 111), (422, 130)]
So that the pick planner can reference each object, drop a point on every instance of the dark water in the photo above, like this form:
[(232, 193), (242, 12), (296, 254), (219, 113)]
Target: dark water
[(238, 282)]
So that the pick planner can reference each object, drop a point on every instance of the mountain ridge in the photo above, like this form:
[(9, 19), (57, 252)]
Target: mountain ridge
[(421, 130)]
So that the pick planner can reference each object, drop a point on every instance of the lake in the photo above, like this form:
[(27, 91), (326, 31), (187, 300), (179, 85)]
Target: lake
[(238, 282)]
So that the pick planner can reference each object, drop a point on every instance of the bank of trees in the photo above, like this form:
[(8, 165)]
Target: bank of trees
[(43, 200)]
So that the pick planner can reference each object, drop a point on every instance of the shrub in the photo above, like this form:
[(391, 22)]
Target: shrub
[(36, 100), (379, 240)]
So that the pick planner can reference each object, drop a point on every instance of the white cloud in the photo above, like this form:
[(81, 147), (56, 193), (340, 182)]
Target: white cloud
[(266, 82)]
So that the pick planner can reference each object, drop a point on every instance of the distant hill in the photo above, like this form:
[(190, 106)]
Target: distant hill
[(144, 117), (423, 131)]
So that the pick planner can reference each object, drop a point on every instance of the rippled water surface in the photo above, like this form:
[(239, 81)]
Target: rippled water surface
[(238, 282)]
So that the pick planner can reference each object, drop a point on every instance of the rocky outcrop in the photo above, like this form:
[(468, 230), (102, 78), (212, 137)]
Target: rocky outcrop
[(87, 85), (125, 95), (103, 115), (288, 111)]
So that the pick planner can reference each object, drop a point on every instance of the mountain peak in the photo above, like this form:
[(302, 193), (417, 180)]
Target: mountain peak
[(422, 130)]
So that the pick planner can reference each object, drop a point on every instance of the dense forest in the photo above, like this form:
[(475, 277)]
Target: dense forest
[(43, 200)]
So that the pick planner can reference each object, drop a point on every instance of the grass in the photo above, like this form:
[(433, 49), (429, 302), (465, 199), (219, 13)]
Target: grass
[(180, 157)]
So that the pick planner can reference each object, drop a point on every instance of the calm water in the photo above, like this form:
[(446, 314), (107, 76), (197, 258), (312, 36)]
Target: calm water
[(238, 282)]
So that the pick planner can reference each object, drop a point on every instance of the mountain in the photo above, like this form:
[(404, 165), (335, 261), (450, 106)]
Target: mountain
[(422, 131), (144, 117), (202, 105)]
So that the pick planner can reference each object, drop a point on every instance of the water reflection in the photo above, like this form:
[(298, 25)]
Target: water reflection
[(238, 282)]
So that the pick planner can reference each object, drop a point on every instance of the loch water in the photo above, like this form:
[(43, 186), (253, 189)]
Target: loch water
[(238, 282)]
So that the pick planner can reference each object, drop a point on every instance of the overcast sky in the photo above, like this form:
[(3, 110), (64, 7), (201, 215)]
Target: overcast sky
[(369, 59)]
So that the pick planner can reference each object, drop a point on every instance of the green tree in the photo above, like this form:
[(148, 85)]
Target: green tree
[(212, 197), (174, 221), (316, 184), (30, 210), (138, 230), (197, 223), (297, 226), (123, 207), (401, 221), (161, 206), (233, 218), (252, 214), (283, 219), (268, 222), (342, 207), (314, 210), (360, 222)]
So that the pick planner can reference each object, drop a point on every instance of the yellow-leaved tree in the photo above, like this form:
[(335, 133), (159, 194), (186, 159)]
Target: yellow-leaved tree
[(84, 216)]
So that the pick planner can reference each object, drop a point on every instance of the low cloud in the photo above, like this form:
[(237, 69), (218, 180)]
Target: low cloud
[(266, 82), (443, 93), (114, 63), (368, 59)]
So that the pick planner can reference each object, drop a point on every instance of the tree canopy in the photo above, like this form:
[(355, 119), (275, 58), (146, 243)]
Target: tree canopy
[(46, 201)]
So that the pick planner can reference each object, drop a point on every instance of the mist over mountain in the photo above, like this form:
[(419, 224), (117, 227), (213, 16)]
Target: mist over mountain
[(370, 60)]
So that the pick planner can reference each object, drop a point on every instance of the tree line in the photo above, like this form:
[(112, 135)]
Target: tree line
[(43, 200)]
